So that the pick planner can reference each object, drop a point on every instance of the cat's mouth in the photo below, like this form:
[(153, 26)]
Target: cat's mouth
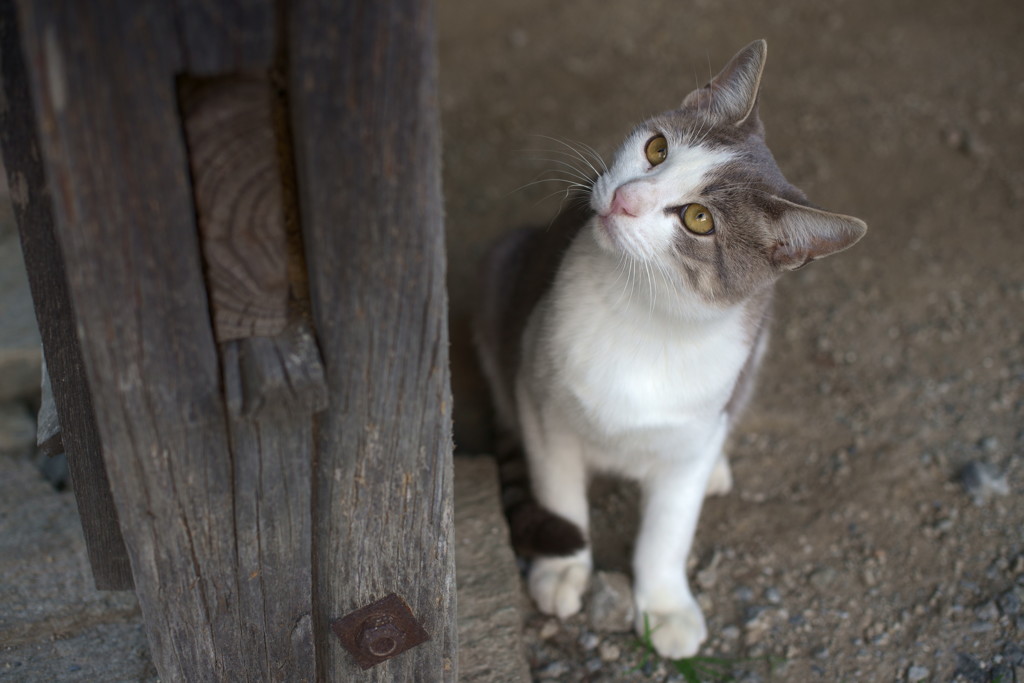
[(610, 234)]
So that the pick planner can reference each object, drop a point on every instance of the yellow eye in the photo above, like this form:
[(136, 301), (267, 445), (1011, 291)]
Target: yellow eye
[(656, 150), (697, 219)]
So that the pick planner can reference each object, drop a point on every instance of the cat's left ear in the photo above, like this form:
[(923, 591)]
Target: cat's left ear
[(731, 96), (802, 234)]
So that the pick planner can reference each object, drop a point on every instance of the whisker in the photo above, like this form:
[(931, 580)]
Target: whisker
[(593, 153), (573, 150), (568, 168)]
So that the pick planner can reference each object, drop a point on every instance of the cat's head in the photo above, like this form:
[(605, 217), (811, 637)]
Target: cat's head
[(696, 193)]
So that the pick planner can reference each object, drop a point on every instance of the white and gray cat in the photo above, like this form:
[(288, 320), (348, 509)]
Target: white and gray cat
[(626, 339)]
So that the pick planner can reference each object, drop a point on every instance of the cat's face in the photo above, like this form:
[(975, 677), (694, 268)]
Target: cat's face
[(696, 195)]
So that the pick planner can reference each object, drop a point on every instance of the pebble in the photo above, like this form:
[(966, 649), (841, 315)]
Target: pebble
[(610, 608), (987, 611), (588, 641), (743, 594), (981, 481), (707, 577), (772, 595), (555, 670), (821, 578), (549, 629), (609, 652), (917, 673), (1010, 602)]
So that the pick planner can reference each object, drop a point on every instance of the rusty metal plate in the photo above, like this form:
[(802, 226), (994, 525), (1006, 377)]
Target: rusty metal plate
[(379, 631)]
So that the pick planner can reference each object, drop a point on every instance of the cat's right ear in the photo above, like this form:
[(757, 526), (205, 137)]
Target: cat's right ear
[(731, 96), (802, 234)]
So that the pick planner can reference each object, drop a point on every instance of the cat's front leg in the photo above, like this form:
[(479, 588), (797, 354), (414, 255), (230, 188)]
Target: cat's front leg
[(672, 497), (559, 481)]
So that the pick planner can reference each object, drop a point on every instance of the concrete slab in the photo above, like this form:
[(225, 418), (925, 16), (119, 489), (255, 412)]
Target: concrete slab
[(490, 592), (54, 625)]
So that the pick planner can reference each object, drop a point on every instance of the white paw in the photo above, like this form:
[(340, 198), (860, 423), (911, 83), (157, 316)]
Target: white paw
[(720, 481), (675, 634), (557, 584)]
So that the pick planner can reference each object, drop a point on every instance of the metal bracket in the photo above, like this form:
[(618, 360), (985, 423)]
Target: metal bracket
[(379, 631)]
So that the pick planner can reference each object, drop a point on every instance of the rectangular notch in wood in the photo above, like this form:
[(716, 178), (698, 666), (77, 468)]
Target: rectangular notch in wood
[(254, 270)]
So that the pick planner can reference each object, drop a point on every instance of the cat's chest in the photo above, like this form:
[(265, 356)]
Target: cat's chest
[(629, 369)]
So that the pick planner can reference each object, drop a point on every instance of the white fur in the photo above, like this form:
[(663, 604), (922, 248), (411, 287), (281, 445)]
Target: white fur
[(631, 374)]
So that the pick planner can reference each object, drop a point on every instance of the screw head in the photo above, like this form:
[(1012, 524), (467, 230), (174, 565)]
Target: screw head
[(380, 636), (379, 631)]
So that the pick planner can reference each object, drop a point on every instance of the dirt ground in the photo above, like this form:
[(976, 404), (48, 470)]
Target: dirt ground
[(850, 548)]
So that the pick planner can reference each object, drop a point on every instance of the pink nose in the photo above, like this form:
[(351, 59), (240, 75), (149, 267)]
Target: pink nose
[(620, 204), (628, 200)]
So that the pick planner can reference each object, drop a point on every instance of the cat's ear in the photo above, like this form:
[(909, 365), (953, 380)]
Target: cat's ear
[(801, 234), (731, 96)]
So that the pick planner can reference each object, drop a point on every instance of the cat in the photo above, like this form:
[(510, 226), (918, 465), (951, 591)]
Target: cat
[(626, 337)]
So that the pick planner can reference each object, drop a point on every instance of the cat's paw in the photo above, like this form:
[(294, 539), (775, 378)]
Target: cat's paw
[(557, 584), (720, 481), (675, 634)]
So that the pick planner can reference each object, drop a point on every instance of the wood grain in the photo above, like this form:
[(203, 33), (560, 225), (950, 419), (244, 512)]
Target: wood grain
[(363, 93), (237, 186), (249, 529), (226, 36), (33, 209), (215, 512)]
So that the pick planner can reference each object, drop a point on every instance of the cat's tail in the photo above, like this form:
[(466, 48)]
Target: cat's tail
[(513, 277)]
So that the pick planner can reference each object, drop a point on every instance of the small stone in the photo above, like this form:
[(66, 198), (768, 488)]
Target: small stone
[(549, 629), (981, 481), (987, 612), (731, 632), (609, 652), (772, 595), (707, 576), (593, 664), (822, 578), (917, 673), (989, 444), (610, 608), (554, 671), (743, 594), (588, 641), (970, 668), (1010, 602)]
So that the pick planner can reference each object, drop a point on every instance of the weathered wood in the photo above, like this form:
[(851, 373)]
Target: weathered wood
[(215, 512), (31, 197), (220, 37), (363, 91), (273, 469), (281, 374), (237, 186)]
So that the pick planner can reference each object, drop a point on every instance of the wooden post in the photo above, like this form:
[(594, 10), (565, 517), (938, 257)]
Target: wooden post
[(279, 456), (363, 91), (78, 433)]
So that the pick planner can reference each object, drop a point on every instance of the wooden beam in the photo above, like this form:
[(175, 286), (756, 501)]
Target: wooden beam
[(363, 92), (33, 208), (226, 36), (215, 509)]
